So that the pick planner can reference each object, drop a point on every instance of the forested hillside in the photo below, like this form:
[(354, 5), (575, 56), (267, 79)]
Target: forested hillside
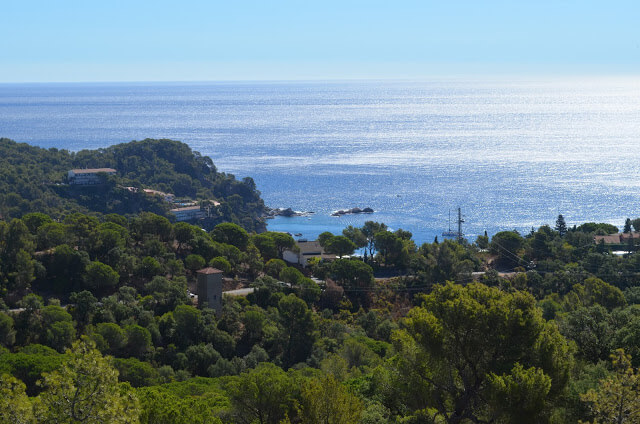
[(540, 328), (33, 179)]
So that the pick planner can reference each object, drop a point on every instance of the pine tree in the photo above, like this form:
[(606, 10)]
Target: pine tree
[(86, 390), (617, 399), (561, 225)]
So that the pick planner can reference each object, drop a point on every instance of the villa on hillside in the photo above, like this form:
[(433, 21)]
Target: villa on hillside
[(168, 197), (188, 213), (619, 238), (89, 176), (306, 250)]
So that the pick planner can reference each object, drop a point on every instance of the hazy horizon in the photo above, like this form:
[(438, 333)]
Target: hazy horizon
[(198, 41)]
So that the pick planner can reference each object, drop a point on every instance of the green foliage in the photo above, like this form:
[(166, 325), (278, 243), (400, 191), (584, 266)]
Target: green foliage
[(85, 390), (355, 277), (166, 294), (262, 395), (221, 263), (297, 323), (291, 276), (340, 245), (326, 401), (163, 164), (99, 276), (194, 262), (15, 406), (506, 244), (521, 395), (274, 267), (113, 337), (7, 331), (229, 233), (30, 364), (168, 405), (617, 399), (595, 291), (449, 348), (136, 372), (561, 226)]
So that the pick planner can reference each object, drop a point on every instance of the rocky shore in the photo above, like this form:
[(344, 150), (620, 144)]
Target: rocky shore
[(352, 211), (286, 212)]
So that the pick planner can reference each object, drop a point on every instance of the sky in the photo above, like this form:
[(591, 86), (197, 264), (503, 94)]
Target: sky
[(188, 40)]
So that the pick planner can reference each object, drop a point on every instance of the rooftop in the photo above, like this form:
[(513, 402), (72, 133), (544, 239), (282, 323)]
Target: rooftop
[(209, 270), (92, 170), (188, 208)]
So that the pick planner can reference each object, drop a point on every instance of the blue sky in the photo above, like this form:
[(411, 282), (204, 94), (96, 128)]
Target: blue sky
[(257, 40)]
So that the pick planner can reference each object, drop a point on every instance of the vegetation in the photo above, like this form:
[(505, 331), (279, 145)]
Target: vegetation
[(97, 323), (33, 179)]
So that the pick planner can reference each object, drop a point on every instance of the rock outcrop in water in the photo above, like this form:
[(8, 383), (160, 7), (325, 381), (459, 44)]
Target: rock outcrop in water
[(352, 211), (286, 212)]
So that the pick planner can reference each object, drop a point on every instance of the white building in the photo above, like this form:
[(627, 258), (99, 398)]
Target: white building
[(188, 213), (168, 197), (89, 176), (306, 250)]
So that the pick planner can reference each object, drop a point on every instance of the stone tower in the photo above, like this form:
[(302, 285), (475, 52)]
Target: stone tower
[(210, 289)]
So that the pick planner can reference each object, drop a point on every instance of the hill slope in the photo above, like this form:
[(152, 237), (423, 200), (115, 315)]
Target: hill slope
[(33, 179)]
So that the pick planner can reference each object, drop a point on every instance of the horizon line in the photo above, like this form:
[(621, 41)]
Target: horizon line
[(483, 76)]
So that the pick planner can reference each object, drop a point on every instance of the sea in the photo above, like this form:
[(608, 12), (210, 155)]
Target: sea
[(510, 153)]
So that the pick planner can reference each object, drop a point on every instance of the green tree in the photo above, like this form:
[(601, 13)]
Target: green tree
[(167, 405), (482, 241), (7, 331), (617, 398), (282, 241), (194, 262), (262, 395), (114, 337), (594, 291), (326, 401), (324, 237), (188, 321), (35, 220), (388, 244), (627, 226), (15, 406), (370, 229), (232, 234), (507, 245), (138, 341), (274, 267), (85, 390), (266, 245), (83, 306), (356, 236), (222, 264), (99, 276), (184, 233), (464, 343), (340, 245), (355, 276), (561, 226), (150, 267), (296, 320), (291, 276)]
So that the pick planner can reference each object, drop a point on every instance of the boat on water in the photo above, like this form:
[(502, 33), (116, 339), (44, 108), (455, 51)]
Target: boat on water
[(451, 233)]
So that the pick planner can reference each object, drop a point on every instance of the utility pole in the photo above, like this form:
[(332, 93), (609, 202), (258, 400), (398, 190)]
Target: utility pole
[(460, 221)]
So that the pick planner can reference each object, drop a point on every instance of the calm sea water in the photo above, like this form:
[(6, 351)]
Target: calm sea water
[(511, 154)]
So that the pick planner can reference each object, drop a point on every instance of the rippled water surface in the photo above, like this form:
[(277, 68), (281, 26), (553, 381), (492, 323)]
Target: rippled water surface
[(510, 154)]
